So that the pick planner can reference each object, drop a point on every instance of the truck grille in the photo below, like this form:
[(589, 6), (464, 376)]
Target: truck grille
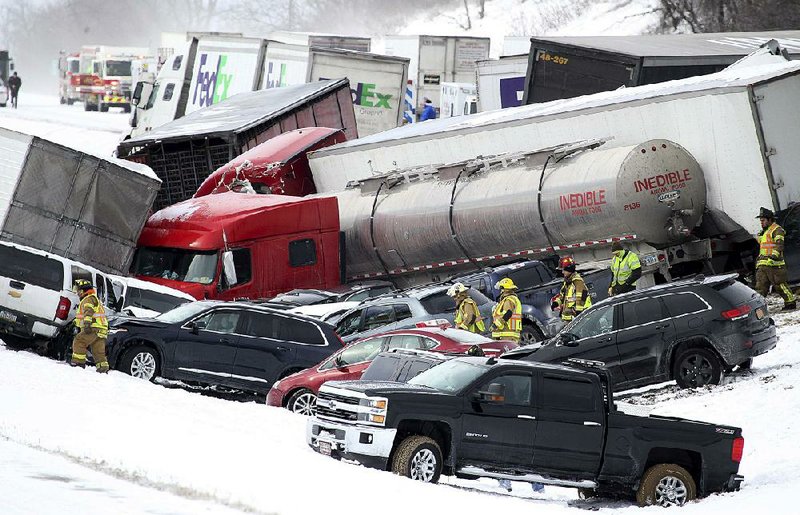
[(338, 398), (337, 407)]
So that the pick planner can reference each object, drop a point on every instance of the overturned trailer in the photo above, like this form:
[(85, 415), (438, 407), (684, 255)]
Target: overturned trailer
[(72, 204), (186, 151), (739, 124)]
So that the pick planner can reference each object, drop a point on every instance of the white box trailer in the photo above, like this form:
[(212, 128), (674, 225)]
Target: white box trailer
[(740, 124), (458, 99), (501, 82), (377, 84), (209, 69), (286, 64), (516, 45), (434, 60)]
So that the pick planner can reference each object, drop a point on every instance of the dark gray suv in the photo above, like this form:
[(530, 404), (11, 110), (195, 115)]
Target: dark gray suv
[(692, 331)]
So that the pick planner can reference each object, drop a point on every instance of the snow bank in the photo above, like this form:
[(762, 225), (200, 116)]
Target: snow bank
[(250, 456)]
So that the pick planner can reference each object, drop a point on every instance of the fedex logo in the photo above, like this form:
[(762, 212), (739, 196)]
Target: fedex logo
[(364, 94), (212, 82)]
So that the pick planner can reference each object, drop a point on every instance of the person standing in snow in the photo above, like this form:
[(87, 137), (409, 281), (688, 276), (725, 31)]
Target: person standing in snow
[(428, 112), (14, 84), (92, 326)]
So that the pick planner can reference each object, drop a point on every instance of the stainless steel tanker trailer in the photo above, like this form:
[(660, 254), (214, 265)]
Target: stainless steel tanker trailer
[(429, 222)]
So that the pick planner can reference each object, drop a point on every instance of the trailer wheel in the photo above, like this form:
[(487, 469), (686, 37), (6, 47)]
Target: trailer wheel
[(418, 457), (103, 108), (696, 367), (666, 484)]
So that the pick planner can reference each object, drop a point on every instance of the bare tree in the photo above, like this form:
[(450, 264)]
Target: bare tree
[(728, 15)]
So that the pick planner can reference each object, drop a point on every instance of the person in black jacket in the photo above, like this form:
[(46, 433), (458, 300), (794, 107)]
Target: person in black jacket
[(14, 83)]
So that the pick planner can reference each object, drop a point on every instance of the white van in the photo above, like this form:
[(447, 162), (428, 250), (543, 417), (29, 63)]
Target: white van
[(37, 301), (36, 297)]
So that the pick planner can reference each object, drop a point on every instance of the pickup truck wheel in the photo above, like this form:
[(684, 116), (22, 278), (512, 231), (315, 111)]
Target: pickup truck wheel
[(666, 484), (697, 367), (140, 362), (302, 402), (418, 457)]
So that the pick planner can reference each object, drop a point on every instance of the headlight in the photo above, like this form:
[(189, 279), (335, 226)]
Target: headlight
[(375, 403)]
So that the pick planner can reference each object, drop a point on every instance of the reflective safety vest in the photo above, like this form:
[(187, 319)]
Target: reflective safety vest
[(568, 298), (466, 308), (621, 268), (770, 242), (99, 319), (511, 329)]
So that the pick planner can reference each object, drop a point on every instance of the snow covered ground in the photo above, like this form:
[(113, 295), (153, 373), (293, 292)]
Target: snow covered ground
[(42, 116), (164, 442)]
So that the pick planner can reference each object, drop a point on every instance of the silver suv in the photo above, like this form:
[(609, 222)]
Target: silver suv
[(405, 309)]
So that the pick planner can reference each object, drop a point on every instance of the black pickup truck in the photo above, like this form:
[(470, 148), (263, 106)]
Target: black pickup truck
[(476, 417)]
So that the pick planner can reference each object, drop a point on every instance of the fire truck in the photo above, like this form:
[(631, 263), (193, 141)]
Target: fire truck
[(105, 78)]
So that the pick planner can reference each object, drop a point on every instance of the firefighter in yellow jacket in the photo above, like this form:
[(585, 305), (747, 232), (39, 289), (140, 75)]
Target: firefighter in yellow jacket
[(770, 266), (574, 296), (92, 326), (468, 317), (507, 313)]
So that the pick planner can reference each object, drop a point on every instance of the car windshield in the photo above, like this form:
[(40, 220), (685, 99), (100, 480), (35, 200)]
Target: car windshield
[(118, 68), (184, 312), (450, 377), (176, 264)]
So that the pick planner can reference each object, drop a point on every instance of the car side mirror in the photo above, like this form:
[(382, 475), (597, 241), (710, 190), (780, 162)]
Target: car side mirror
[(195, 327), (496, 392), (568, 340)]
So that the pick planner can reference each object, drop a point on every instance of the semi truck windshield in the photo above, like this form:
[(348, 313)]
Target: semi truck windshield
[(176, 264)]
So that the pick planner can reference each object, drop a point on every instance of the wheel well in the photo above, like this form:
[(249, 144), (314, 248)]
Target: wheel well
[(289, 371), (528, 322), (136, 343), (690, 460), (698, 341), (288, 395), (439, 431)]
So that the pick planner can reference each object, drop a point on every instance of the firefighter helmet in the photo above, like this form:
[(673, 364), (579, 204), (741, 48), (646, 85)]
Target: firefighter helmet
[(567, 263), (456, 289), (505, 284), (81, 285)]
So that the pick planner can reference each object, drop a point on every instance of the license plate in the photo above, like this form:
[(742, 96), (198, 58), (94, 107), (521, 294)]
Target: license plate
[(760, 313), (650, 260), (5, 315), (325, 447)]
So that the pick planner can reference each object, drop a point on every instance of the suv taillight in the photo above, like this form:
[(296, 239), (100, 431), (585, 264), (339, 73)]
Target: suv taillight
[(737, 312), (63, 308), (737, 449)]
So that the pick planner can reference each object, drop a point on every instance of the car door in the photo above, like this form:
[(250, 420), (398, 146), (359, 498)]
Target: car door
[(570, 431), (260, 354), (500, 430), (205, 347), (645, 331), (595, 339)]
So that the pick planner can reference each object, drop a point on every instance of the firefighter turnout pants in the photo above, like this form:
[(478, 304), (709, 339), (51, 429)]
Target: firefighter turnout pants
[(90, 341), (776, 277)]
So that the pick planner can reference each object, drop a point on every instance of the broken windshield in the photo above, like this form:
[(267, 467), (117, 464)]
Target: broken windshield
[(176, 264)]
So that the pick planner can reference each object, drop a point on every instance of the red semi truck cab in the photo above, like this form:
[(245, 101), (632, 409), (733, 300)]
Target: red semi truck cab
[(232, 246)]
